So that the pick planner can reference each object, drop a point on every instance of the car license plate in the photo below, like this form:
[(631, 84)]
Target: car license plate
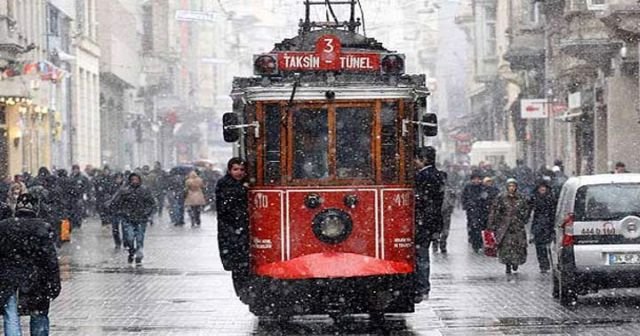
[(624, 258)]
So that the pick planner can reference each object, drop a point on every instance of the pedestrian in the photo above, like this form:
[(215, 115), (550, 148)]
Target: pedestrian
[(157, 183), (543, 206), (429, 191), (79, 194), (525, 177), (448, 205), (195, 198), (114, 214), (30, 276), (175, 186), (620, 168), (102, 185), (233, 223), (16, 189), (136, 205), (508, 220), (489, 195), (557, 181), (474, 200)]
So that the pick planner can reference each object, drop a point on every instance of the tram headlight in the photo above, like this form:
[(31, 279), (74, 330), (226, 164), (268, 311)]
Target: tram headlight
[(332, 226), (392, 64), (265, 65)]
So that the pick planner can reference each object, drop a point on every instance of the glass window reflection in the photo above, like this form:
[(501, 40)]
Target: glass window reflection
[(311, 144)]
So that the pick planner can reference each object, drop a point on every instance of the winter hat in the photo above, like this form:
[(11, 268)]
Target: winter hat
[(512, 180), (27, 204), (555, 169)]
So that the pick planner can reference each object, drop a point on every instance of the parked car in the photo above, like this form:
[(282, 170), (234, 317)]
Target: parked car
[(597, 243)]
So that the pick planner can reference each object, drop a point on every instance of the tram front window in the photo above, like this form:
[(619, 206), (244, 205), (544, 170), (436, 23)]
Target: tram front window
[(353, 142), (311, 144)]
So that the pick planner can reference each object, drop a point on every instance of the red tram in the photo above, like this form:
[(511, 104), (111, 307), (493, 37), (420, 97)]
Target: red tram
[(329, 125)]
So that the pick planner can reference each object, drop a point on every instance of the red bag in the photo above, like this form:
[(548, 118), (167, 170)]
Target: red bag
[(489, 241)]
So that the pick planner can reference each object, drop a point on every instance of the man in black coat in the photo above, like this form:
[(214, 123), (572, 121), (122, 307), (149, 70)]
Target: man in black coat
[(429, 191), (136, 204), (29, 270), (233, 223), (474, 202)]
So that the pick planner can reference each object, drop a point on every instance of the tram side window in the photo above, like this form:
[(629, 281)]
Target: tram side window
[(353, 142), (389, 139), (272, 145), (311, 144)]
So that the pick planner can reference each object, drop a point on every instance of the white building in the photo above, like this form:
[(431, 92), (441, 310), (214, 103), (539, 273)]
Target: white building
[(85, 117)]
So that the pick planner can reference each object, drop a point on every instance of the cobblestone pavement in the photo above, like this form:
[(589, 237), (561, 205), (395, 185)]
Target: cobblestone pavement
[(181, 289)]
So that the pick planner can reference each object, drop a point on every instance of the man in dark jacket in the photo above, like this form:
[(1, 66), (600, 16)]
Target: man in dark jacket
[(102, 185), (136, 204), (474, 202), (233, 223), (543, 206), (429, 191), (30, 276)]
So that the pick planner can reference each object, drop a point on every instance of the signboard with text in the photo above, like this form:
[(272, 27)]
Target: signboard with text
[(328, 56), (533, 108)]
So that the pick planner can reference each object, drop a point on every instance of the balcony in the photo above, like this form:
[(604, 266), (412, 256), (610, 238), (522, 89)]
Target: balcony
[(587, 37), (622, 16), (526, 49), (10, 45)]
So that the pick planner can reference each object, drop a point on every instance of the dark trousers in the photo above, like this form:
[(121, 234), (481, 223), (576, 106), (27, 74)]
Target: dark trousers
[(117, 231), (423, 285), (195, 212), (159, 203), (475, 227), (542, 251)]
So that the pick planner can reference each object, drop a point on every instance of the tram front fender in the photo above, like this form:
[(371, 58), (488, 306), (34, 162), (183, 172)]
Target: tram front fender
[(332, 265)]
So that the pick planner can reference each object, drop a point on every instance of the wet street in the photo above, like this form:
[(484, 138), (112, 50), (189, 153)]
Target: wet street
[(181, 289)]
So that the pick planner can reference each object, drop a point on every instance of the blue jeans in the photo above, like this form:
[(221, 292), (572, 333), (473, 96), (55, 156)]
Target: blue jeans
[(116, 229), (423, 286), (134, 236), (39, 323), (177, 211)]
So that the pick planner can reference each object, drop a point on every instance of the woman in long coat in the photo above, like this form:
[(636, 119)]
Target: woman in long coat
[(508, 220), (195, 197), (543, 206)]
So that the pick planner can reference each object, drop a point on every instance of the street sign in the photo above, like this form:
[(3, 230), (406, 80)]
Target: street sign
[(533, 108), (195, 16)]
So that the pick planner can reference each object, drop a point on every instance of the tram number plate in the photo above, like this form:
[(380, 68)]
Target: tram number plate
[(624, 258)]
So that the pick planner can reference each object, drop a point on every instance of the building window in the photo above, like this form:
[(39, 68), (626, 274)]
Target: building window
[(597, 4), (534, 13), (147, 28), (490, 32), (54, 23)]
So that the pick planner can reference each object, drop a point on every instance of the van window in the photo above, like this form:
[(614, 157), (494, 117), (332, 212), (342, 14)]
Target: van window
[(607, 202)]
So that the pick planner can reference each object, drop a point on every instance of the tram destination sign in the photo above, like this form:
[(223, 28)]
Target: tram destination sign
[(327, 56)]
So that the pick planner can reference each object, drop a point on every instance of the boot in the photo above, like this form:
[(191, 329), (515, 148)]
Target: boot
[(508, 268)]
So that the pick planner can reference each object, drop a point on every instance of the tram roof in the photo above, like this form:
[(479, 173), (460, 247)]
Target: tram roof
[(306, 41)]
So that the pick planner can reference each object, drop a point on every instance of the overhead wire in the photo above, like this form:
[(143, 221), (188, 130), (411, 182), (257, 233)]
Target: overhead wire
[(364, 27), (335, 18)]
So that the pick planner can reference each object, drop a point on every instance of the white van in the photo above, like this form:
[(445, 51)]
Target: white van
[(493, 152), (597, 242)]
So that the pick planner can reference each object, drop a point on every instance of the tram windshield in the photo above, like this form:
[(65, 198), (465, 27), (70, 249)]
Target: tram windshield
[(353, 142), (317, 130), (311, 144)]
